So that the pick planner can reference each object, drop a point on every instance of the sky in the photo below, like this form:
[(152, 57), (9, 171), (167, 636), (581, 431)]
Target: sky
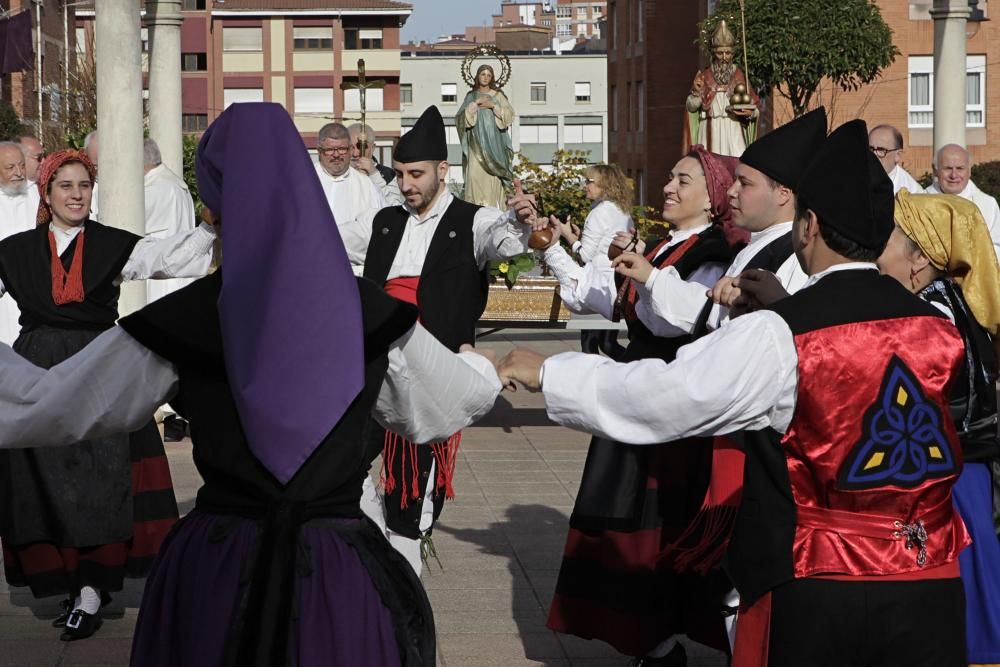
[(431, 18)]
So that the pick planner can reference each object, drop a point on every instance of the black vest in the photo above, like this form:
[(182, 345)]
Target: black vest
[(759, 557), (643, 344), (453, 289), (26, 272), (770, 258)]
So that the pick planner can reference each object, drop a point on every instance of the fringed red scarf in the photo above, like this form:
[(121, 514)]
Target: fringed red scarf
[(702, 544), (67, 287), (445, 452)]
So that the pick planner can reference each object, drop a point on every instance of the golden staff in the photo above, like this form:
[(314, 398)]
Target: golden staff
[(743, 35)]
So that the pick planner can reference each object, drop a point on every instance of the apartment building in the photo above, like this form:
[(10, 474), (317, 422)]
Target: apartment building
[(302, 54)]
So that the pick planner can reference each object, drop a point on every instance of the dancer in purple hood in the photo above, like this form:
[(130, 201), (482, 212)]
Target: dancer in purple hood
[(276, 360)]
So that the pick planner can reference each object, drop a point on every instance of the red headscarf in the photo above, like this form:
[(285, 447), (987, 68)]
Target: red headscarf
[(67, 287), (48, 168), (720, 172)]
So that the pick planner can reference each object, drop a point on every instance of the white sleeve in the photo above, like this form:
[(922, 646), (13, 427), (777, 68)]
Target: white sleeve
[(357, 234), (741, 377), (705, 275), (112, 385), (389, 190), (498, 235), (584, 289), (185, 255), (430, 393), (599, 228), (669, 298)]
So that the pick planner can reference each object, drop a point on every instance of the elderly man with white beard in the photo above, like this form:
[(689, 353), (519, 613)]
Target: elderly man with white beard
[(18, 207), (953, 176)]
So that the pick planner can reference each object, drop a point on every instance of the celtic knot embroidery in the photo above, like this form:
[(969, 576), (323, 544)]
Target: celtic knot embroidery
[(903, 441)]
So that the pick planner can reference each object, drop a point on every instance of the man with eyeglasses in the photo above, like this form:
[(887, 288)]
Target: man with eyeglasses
[(349, 192), (886, 142)]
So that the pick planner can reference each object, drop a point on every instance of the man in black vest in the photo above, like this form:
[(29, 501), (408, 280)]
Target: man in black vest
[(846, 541), (431, 251), (763, 203)]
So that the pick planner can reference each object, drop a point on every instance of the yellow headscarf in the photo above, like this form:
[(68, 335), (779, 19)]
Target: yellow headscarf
[(951, 232)]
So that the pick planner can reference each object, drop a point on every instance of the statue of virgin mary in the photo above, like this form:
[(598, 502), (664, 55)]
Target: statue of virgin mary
[(483, 124)]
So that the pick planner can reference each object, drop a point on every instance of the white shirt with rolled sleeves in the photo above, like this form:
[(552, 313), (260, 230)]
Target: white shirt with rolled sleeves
[(592, 288), (987, 206), (603, 221), (169, 211), (741, 377), (496, 235), (17, 214), (666, 296), (115, 383), (185, 255)]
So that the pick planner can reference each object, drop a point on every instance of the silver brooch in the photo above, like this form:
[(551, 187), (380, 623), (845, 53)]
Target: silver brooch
[(452, 235), (385, 230)]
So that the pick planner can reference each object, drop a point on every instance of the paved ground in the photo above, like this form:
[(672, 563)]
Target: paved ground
[(499, 544)]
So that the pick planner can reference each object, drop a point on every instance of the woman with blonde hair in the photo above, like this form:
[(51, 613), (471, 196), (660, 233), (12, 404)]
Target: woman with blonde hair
[(611, 199), (941, 251)]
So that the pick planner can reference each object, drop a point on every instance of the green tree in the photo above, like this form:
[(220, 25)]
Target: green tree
[(190, 151), (11, 127), (792, 45)]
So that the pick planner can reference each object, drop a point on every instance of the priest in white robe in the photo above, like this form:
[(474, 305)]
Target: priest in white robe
[(886, 142), (349, 192), (169, 211), (953, 176), (18, 208)]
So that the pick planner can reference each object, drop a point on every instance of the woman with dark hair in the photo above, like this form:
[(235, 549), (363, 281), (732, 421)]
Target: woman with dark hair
[(75, 521), (942, 252), (633, 501)]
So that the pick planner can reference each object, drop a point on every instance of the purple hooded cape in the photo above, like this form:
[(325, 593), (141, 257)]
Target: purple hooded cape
[(289, 307)]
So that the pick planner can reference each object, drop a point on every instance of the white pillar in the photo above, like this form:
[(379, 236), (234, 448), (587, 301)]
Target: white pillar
[(163, 18), (949, 71), (119, 122)]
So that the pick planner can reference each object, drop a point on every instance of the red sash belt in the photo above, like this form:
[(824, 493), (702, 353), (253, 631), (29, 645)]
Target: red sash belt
[(445, 452), (913, 536)]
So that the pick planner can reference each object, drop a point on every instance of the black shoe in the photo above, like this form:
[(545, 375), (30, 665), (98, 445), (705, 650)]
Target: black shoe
[(676, 658), (81, 625), (67, 608), (175, 429)]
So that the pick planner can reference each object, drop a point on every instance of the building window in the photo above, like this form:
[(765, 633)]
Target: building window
[(538, 91), (312, 38), (597, 11), (242, 39), (547, 23), (564, 12), (194, 62), (613, 116), (363, 38), (194, 122), (921, 91), (406, 93), (581, 28), (539, 134), (449, 93), (640, 104), (373, 99), (144, 39), (581, 13), (564, 30), (583, 134), (193, 6), (233, 95), (582, 91), (451, 135), (313, 100)]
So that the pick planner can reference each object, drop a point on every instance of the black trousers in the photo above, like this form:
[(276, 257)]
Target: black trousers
[(820, 623), (594, 341)]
